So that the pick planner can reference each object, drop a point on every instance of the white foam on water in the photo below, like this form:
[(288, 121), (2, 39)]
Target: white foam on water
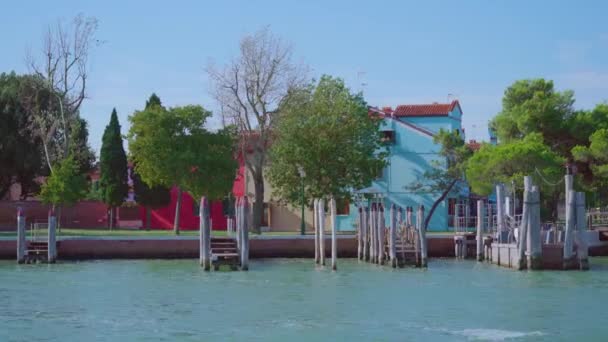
[(495, 334)]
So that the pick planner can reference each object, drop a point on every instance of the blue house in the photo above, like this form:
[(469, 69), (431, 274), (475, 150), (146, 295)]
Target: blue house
[(408, 131)]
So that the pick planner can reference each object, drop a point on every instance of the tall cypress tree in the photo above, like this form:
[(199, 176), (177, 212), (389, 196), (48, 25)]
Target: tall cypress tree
[(113, 167)]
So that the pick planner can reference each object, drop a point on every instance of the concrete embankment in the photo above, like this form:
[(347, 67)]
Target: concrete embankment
[(83, 248)]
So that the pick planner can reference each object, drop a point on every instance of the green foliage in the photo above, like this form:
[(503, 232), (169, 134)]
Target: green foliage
[(173, 147), (20, 150), (79, 147), (66, 185), (531, 106), (596, 156), (154, 100), (113, 165), (150, 196), (325, 130), (511, 162)]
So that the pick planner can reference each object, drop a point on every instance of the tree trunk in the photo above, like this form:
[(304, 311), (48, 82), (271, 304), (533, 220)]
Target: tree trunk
[(439, 200), (178, 207), (258, 204), (111, 220), (148, 217)]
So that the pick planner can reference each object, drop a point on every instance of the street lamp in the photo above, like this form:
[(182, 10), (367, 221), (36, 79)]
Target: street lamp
[(302, 175)]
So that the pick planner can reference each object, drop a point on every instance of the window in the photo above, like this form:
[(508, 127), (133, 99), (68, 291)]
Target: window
[(342, 206), (388, 137)]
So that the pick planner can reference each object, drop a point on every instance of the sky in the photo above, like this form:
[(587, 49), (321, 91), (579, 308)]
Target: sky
[(396, 52)]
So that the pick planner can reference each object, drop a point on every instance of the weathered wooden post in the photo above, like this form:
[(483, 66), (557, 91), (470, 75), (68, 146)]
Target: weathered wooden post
[(21, 242), (480, 227), (393, 235), (422, 234), (523, 231), (570, 222), (315, 214), (246, 220), (534, 242), (204, 235), (366, 233), (408, 221), (334, 237), (381, 230), (321, 231), (360, 234), (238, 222), (500, 212), (373, 221), (52, 243), (581, 226)]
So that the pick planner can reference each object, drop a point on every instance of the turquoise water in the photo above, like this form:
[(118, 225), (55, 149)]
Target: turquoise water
[(278, 300)]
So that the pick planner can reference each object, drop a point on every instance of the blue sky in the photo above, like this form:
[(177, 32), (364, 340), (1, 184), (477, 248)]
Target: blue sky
[(404, 51)]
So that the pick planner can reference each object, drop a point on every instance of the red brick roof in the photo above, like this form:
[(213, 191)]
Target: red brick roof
[(434, 109), (474, 145)]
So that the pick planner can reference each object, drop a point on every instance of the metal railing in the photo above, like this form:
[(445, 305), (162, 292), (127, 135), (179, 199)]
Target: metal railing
[(39, 231)]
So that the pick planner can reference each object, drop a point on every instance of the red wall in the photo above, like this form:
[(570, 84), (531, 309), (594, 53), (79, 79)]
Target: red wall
[(163, 218)]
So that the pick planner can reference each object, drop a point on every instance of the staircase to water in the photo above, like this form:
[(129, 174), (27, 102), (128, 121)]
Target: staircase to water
[(224, 251)]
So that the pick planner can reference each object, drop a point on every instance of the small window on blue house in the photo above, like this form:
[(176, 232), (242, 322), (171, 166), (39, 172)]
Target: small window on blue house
[(342, 206), (388, 137)]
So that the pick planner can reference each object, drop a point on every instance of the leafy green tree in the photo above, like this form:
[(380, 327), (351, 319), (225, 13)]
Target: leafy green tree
[(20, 153), (534, 106), (65, 186), (446, 176), (596, 157), (113, 167), (509, 163), (173, 147), (324, 130), (150, 197)]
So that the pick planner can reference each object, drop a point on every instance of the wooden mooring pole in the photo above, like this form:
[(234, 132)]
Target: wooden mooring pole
[(581, 226), (334, 241), (321, 214), (373, 222), (204, 235), (52, 241), (534, 242), (480, 228), (246, 221), (21, 242), (315, 214), (393, 235), (381, 229), (422, 235), (366, 229)]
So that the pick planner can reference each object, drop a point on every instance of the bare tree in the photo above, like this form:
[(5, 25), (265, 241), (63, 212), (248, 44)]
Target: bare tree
[(63, 72), (249, 90)]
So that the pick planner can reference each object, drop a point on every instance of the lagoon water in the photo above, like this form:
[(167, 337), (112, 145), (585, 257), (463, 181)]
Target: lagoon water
[(291, 300)]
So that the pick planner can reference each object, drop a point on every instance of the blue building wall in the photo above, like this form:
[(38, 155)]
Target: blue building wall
[(411, 155)]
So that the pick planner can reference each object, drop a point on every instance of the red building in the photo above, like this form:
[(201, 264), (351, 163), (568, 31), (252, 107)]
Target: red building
[(163, 218)]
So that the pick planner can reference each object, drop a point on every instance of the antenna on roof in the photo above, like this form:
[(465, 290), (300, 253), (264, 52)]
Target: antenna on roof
[(452, 97)]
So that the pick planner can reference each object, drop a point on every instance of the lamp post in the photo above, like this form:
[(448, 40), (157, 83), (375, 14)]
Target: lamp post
[(302, 175)]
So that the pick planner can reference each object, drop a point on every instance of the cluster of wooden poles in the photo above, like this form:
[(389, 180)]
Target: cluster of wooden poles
[(240, 223), (319, 225), (528, 235), (372, 235), (22, 244)]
